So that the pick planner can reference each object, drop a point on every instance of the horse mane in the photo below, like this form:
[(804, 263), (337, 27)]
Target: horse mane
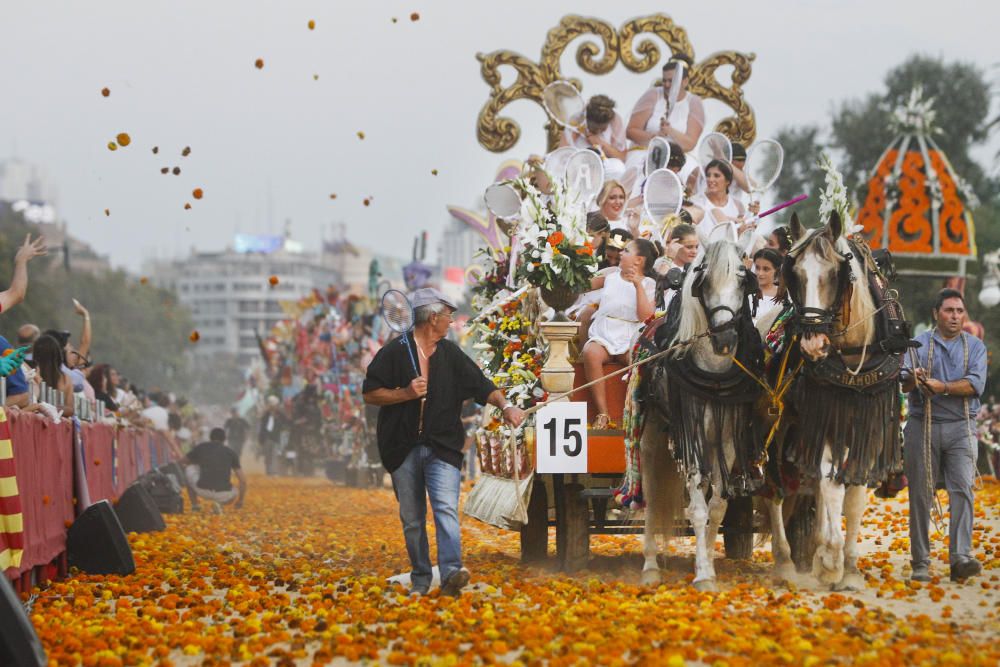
[(720, 258), (862, 304)]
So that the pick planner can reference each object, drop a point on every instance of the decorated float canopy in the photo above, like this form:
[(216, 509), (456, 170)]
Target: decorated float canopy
[(601, 47), (917, 206)]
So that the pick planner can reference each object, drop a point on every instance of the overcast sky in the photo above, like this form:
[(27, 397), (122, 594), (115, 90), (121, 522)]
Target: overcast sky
[(181, 73)]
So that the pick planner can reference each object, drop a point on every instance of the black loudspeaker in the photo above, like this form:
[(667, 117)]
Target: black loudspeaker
[(19, 644), (96, 542), (164, 491), (137, 511)]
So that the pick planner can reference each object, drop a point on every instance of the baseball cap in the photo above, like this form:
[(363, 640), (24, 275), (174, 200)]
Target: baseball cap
[(427, 296)]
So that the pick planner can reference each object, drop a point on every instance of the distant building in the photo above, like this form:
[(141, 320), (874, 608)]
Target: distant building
[(230, 295), (21, 181), (457, 252)]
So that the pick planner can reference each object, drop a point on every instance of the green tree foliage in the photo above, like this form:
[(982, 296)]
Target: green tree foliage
[(860, 128), (139, 329), (799, 174)]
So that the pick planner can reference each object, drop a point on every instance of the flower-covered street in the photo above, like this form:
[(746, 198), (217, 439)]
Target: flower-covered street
[(300, 577)]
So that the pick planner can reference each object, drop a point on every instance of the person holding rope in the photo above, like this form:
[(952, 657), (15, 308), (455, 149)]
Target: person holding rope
[(420, 433), (944, 378)]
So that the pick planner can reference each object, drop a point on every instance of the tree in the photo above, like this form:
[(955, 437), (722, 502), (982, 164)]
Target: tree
[(800, 173), (861, 128), (139, 329)]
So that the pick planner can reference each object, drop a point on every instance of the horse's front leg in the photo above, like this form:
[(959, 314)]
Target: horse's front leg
[(697, 514), (784, 567), (828, 561), (855, 501)]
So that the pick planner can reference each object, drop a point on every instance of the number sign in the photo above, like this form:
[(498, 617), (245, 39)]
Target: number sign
[(561, 438)]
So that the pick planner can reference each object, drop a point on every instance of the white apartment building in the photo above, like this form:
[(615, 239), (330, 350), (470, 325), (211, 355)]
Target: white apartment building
[(230, 295)]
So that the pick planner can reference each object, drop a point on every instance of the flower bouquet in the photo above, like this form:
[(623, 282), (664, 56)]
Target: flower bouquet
[(555, 252)]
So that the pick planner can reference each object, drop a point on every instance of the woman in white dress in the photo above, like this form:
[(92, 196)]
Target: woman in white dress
[(766, 266), (626, 302), (682, 248), (720, 208), (611, 204), (682, 124), (603, 130)]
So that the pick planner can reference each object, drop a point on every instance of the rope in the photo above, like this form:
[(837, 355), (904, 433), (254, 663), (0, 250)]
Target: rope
[(937, 514)]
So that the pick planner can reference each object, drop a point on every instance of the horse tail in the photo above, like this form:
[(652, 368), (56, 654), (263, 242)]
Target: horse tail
[(662, 480)]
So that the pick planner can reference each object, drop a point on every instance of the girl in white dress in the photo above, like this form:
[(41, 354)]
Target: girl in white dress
[(650, 118), (603, 130), (720, 208), (766, 266), (626, 302), (611, 204)]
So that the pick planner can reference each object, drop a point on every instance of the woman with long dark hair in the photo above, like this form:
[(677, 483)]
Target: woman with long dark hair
[(48, 355), (100, 379)]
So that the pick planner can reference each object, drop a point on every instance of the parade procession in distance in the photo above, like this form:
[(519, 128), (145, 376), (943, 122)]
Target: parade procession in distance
[(698, 397)]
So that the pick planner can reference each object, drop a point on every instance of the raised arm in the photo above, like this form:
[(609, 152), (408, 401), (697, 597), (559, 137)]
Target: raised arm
[(14, 294), (85, 336)]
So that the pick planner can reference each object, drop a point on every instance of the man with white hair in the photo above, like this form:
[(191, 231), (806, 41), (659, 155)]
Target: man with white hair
[(420, 433)]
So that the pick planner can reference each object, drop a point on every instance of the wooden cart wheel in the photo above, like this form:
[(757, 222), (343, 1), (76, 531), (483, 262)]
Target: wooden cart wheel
[(799, 530), (738, 528), (577, 526), (535, 534)]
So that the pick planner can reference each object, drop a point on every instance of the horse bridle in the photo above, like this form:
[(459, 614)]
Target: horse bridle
[(749, 288), (808, 319)]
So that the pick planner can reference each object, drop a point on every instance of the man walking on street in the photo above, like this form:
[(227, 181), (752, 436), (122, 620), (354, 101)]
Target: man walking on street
[(420, 432), (944, 390)]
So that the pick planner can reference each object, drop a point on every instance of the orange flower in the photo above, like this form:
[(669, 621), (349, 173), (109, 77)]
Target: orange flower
[(555, 238), (124, 139), (585, 250), (197, 193)]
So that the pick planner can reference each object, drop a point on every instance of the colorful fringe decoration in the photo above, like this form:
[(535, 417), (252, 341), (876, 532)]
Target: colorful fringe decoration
[(11, 520), (774, 341), (633, 420)]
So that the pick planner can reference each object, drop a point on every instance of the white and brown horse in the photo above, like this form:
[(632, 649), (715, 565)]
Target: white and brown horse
[(846, 397), (705, 402)]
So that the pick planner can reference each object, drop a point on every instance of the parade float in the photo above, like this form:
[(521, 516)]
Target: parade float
[(539, 269), (917, 207)]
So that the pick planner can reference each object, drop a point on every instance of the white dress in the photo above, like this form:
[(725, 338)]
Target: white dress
[(615, 324), (613, 134), (679, 117), (732, 208)]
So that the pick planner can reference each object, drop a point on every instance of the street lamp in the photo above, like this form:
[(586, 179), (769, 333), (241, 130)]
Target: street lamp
[(989, 295)]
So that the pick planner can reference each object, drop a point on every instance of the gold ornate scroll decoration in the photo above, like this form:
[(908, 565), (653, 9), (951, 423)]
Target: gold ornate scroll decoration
[(636, 51)]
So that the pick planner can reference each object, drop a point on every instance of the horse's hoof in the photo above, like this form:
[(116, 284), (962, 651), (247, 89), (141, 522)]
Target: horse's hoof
[(852, 581), (785, 573), (706, 586), (828, 565), (651, 578)]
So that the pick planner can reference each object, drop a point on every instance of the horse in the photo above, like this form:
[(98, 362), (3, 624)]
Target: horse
[(704, 400), (846, 396)]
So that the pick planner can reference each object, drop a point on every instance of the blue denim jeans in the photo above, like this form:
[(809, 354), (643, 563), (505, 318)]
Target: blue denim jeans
[(423, 475)]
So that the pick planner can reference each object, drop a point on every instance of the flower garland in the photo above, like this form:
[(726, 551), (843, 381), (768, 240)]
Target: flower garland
[(509, 350)]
